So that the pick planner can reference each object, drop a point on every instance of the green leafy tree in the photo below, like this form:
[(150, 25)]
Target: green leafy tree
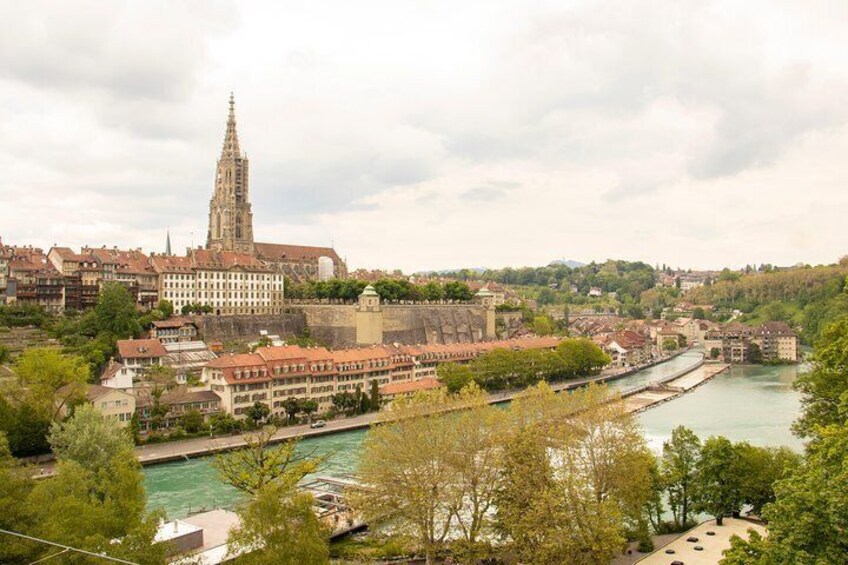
[(542, 325), (258, 412), (763, 467), (309, 407), (116, 312), (455, 290), (192, 421), (278, 526), (583, 356), (823, 388), (680, 458), (89, 439), (374, 400), (292, 408), (15, 486), (258, 464), (224, 423), (718, 485), (166, 307), (454, 376), (99, 509), (41, 374)]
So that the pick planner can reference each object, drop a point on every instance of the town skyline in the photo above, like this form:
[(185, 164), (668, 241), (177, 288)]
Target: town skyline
[(450, 156)]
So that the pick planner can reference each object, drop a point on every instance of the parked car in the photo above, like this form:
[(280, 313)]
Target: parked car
[(317, 424)]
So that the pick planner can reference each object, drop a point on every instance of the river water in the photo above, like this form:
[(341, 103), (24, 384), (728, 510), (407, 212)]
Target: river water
[(756, 404)]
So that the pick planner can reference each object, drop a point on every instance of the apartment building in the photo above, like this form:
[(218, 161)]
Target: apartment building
[(734, 343), (226, 281), (32, 279), (273, 374)]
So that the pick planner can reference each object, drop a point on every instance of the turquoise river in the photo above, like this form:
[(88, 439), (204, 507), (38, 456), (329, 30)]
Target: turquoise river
[(756, 404)]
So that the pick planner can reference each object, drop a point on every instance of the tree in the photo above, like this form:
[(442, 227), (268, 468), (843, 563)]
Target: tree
[(581, 472), (258, 412), (192, 421), (116, 313), (292, 408), (669, 344), (719, 479), (258, 464), (405, 472), (224, 423), (454, 376), (278, 527), (542, 325), (823, 388), (4, 354), (583, 356), (99, 509), (374, 400), (15, 486), (89, 439), (680, 458), (529, 512), (715, 352), (166, 307), (309, 407), (755, 354), (763, 467), (42, 373), (455, 290), (699, 313)]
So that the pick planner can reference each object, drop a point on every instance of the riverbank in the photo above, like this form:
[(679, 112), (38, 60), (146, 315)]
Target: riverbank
[(188, 449), (200, 447)]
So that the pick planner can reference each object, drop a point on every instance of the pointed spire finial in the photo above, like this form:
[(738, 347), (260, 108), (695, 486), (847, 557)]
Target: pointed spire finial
[(231, 144), (168, 242)]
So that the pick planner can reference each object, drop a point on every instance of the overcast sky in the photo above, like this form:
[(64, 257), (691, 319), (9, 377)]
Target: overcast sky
[(429, 135)]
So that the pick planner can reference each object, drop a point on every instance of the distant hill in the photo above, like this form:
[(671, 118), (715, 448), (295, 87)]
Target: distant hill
[(570, 263)]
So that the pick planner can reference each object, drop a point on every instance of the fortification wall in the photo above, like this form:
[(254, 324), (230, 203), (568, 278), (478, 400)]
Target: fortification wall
[(444, 323), (335, 324), (225, 328)]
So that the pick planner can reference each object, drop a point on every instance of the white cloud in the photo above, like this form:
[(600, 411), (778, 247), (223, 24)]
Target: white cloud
[(437, 134)]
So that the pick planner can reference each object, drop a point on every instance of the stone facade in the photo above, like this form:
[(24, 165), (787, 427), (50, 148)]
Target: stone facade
[(231, 220), (230, 216)]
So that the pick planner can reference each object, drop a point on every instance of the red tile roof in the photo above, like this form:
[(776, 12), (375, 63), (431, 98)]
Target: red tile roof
[(281, 252), (140, 348)]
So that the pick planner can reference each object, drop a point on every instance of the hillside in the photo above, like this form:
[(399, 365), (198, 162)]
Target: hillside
[(805, 297)]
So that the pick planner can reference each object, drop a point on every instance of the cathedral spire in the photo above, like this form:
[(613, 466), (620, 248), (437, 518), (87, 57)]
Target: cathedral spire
[(231, 144), (168, 243)]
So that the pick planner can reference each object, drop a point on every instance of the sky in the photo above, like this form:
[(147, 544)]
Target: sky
[(434, 135)]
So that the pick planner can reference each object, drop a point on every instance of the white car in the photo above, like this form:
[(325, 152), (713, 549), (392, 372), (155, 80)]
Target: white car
[(317, 424)]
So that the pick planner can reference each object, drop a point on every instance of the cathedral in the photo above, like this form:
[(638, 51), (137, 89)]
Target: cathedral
[(231, 219)]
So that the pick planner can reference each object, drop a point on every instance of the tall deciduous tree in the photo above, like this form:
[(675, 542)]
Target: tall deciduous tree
[(406, 470), (41, 373), (89, 439), (718, 483), (100, 509), (259, 464), (279, 527), (15, 486), (116, 312), (680, 457)]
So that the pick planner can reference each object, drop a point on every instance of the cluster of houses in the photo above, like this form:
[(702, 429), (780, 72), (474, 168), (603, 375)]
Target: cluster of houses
[(232, 383), (634, 342)]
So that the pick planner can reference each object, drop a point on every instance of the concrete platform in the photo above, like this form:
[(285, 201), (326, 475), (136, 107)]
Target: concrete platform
[(713, 546)]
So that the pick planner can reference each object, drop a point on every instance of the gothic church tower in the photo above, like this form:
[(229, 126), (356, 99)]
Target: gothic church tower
[(230, 217)]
